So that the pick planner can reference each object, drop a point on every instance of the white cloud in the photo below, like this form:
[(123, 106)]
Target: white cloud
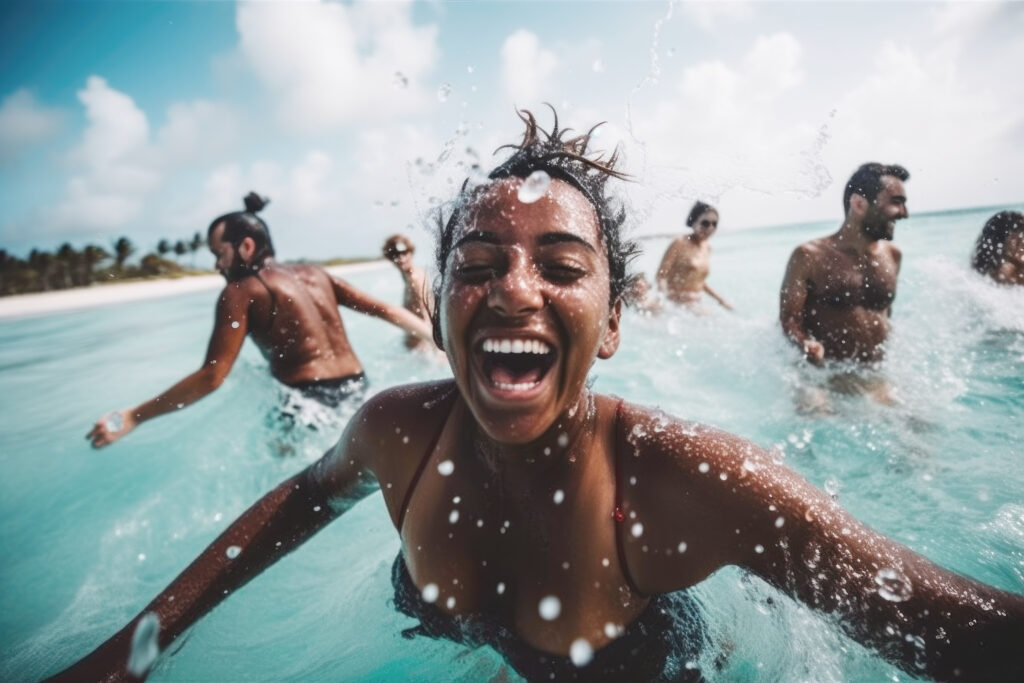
[(327, 64), (197, 132), (526, 69), (24, 122), (959, 19), (708, 15)]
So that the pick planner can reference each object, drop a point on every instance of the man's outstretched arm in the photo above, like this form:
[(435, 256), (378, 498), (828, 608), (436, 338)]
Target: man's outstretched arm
[(360, 301), (229, 329), (793, 298)]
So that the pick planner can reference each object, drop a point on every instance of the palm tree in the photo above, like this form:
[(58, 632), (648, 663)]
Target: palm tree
[(92, 255), (180, 249), (162, 247), (195, 245), (123, 248), (67, 265)]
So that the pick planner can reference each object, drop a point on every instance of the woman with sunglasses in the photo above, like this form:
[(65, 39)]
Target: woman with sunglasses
[(559, 526), (684, 269)]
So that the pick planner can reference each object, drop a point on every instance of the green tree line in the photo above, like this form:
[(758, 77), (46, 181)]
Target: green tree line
[(67, 267)]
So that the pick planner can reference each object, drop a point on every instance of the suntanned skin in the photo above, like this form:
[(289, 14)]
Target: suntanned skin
[(837, 294), (416, 297), (684, 268), (1011, 270), (303, 339), (538, 272)]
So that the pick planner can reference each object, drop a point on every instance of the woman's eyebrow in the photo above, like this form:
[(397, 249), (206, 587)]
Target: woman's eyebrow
[(477, 236), (549, 238)]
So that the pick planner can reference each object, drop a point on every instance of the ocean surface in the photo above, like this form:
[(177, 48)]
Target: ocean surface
[(89, 537)]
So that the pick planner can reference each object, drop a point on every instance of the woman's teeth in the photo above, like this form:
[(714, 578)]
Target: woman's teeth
[(515, 346)]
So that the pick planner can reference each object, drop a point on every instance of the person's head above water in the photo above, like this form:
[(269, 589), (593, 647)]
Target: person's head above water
[(532, 267), (703, 218), (397, 247), (1001, 239), (885, 201), (241, 240)]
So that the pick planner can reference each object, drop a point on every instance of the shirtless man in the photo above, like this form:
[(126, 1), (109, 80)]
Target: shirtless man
[(838, 290), (291, 312), (399, 250), (684, 268)]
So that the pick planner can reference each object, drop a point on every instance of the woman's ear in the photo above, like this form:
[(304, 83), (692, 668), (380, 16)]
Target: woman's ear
[(610, 343)]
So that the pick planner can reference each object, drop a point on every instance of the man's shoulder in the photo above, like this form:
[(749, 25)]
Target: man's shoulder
[(812, 252)]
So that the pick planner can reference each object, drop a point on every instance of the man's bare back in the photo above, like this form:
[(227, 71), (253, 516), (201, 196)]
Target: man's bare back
[(837, 294)]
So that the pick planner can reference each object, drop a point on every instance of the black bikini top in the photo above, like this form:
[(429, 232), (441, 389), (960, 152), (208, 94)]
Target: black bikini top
[(657, 645)]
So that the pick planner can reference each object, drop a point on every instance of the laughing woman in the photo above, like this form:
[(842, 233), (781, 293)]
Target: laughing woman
[(578, 514)]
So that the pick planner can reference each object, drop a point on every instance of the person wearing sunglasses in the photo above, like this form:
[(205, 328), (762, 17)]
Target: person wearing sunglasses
[(417, 299), (683, 273)]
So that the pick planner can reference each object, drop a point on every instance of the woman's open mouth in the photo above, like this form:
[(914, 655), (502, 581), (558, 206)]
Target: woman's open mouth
[(515, 366)]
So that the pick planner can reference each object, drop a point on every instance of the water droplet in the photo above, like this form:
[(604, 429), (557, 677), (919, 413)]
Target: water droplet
[(559, 496), (532, 189), (453, 516), (605, 562), (480, 523), (779, 521), (430, 592), (233, 551), (703, 468), (550, 607), (450, 602), (234, 325), (580, 652), (681, 547), (457, 499), (758, 548), (637, 530), (145, 647), (892, 585), (401, 81), (612, 630), (469, 69), (598, 66), (316, 508), (832, 487), (142, 557), (501, 588), (443, 91), (445, 467), (114, 422)]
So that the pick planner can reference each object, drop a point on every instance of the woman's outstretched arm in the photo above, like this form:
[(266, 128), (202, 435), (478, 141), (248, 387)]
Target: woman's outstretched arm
[(732, 503), (277, 524)]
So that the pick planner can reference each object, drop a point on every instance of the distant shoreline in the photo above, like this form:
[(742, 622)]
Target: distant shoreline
[(38, 304)]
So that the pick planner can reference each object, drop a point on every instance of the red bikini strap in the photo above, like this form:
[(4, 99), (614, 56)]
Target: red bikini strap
[(619, 514)]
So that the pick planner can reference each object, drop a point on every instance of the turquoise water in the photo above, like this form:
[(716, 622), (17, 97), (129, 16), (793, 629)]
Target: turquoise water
[(88, 537)]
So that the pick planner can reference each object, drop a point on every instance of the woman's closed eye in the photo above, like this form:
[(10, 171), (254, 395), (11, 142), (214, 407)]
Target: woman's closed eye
[(563, 271)]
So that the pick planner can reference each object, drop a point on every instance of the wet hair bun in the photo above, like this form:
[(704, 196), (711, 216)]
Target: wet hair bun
[(255, 203)]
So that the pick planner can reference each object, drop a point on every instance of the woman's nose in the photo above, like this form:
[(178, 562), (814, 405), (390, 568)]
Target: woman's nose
[(517, 291)]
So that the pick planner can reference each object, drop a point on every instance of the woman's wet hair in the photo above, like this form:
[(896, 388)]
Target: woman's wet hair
[(988, 251), (698, 210), (397, 245), (241, 224), (569, 159)]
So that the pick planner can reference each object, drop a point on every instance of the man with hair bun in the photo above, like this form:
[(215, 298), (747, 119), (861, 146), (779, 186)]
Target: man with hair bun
[(289, 310), (838, 290)]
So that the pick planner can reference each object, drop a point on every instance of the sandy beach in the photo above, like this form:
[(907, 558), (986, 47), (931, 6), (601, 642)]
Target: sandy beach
[(46, 303)]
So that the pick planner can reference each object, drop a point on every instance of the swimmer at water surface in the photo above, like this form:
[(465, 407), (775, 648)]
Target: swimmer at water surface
[(837, 294), (684, 268), (399, 249), (289, 310), (999, 252), (553, 523)]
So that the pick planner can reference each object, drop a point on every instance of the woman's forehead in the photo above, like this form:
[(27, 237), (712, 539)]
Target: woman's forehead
[(498, 210)]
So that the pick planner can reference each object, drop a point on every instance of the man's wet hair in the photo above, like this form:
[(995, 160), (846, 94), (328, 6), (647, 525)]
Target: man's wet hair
[(241, 224), (698, 210), (571, 160), (867, 181), (988, 251), (395, 245)]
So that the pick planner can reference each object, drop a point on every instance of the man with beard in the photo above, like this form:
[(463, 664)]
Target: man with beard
[(838, 290), (291, 312)]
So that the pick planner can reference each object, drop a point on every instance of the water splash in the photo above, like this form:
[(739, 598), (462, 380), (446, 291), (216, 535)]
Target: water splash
[(534, 187), (114, 422), (145, 648), (444, 91), (549, 608), (580, 652), (892, 585), (233, 551), (400, 81)]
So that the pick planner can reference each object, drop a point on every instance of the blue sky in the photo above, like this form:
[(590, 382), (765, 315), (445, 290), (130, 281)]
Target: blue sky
[(148, 119)]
